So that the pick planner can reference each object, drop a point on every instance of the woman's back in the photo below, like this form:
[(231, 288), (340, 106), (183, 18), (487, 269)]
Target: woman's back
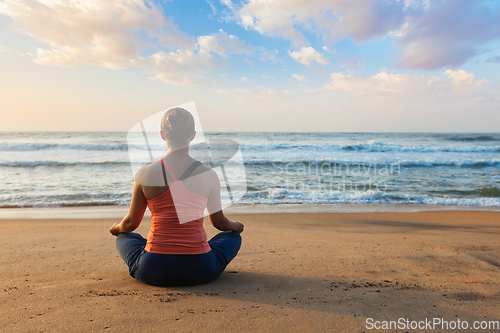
[(200, 181), (177, 216)]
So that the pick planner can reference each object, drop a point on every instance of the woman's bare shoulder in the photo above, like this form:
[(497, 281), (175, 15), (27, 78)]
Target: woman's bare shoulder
[(205, 173), (150, 175)]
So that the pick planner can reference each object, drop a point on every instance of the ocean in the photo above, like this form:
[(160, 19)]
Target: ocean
[(55, 169)]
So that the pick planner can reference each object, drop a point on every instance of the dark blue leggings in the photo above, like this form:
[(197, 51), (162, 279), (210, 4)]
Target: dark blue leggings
[(177, 269)]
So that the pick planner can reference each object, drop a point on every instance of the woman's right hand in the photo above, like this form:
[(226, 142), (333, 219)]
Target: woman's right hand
[(114, 229), (238, 227)]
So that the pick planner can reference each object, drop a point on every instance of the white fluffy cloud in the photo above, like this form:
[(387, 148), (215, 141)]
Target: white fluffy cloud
[(463, 82), (308, 55), (223, 44), (105, 33)]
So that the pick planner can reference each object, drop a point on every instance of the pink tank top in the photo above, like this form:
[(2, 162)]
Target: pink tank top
[(177, 229)]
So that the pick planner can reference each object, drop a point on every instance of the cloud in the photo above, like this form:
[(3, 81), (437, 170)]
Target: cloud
[(380, 82), (3, 48), (227, 3), (405, 86), (189, 67), (307, 55), (301, 78), (361, 20), (327, 50), (350, 62), (213, 8), (182, 67), (223, 44), (447, 34), (244, 78), (278, 26), (463, 82), (105, 33), (270, 56)]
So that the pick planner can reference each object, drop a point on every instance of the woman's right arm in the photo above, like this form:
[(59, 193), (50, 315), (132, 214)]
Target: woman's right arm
[(136, 212), (214, 207)]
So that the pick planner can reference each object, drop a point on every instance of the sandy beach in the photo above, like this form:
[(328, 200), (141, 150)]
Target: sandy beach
[(300, 272)]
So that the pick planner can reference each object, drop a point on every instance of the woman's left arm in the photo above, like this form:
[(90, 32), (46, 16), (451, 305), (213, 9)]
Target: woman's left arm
[(135, 213)]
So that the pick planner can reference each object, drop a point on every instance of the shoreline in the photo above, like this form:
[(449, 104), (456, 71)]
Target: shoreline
[(112, 212)]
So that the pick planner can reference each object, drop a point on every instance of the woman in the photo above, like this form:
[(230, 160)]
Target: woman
[(176, 189)]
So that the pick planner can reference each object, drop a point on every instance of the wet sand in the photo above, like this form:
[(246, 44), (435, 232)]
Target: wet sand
[(295, 272)]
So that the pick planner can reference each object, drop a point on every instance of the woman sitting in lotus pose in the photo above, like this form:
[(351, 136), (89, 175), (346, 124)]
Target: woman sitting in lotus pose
[(177, 189)]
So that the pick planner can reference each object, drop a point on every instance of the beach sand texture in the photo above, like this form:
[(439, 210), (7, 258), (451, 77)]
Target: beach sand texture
[(297, 272)]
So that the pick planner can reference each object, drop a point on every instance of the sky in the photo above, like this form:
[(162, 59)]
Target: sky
[(254, 65)]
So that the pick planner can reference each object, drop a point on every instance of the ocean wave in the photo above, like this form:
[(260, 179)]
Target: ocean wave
[(5, 146), (492, 192), (394, 163), (469, 137), (381, 147), (66, 204), (284, 196), (68, 200), (371, 146), (19, 164)]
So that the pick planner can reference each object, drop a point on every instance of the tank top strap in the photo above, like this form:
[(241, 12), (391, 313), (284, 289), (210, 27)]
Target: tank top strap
[(169, 170), (164, 174), (189, 170)]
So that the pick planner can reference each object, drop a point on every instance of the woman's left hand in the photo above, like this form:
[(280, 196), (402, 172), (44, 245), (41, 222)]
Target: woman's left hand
[(114, 229)]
